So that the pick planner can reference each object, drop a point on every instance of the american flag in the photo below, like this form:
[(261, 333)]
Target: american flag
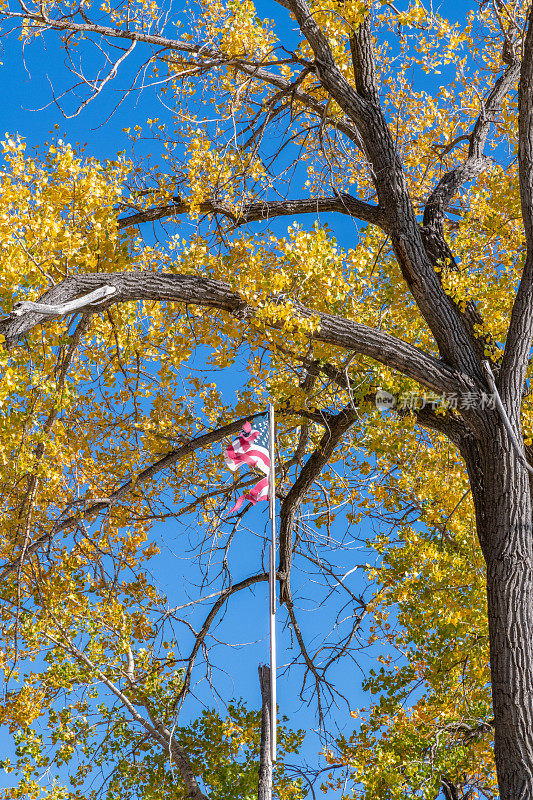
[(251, 448)]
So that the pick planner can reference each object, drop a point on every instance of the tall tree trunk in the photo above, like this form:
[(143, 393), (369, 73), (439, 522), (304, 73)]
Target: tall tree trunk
[(503, 511)]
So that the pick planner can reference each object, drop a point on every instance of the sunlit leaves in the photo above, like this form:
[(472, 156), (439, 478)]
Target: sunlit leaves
[(85, 612)]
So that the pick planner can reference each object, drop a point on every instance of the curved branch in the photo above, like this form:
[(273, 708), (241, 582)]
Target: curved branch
[(311, 668), (475, 163), (225, 595), (363, 120), (160, 286), (452, 427), (448, 186), (337, 427), (154, 727), (265, 210)]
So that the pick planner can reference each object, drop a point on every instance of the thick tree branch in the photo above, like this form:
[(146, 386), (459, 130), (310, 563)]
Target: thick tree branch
[(436, 307), (378, 146), (363, 61), (386, 349), (520, 332), (451, 426), (450, 790), (448, 186), (265, 210), (330, 75), (147, 285)]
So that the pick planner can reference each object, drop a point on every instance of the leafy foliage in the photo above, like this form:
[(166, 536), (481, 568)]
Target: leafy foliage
[(129, 766), (90, 406)]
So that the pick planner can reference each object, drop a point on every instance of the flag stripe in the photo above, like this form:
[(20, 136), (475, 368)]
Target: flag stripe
[(256, 459), (250, 448)]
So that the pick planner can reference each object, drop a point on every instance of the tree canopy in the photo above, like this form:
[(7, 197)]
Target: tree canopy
[(334, 203)]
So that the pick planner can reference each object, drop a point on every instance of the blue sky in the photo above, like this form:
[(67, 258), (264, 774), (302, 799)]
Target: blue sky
[(28, 110)]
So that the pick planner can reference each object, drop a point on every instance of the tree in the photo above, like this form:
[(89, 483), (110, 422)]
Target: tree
[(433, 298)]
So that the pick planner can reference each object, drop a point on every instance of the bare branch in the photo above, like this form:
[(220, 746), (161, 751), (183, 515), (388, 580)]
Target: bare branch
[(311, 668), (475, 163), (207, 57), (154, 727), (200, 637), (314, 465), (60, 310), (99, 83), (101, 504)]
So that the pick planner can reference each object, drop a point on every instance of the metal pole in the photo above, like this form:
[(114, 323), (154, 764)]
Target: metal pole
[(272, 582)]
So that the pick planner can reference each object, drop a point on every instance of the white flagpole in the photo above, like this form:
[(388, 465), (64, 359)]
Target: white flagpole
[(272, 582)]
